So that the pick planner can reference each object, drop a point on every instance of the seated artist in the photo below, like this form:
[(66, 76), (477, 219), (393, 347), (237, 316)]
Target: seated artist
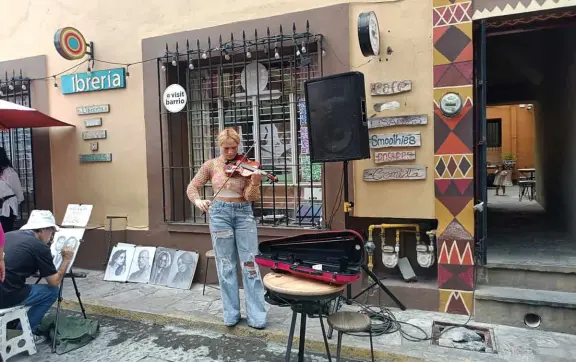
[(27, 251)]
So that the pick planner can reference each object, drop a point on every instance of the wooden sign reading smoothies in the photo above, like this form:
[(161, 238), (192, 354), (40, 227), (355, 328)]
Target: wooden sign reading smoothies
[(387, 173), (401, 139)]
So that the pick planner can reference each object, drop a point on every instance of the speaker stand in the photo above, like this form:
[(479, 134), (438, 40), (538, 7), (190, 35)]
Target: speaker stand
[(347, 208)]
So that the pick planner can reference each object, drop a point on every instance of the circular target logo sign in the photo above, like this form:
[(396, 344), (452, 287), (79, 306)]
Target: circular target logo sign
[(70, 43), (174, 98)]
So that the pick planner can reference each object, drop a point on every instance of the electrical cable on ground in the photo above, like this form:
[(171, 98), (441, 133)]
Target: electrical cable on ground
[(384, 321)]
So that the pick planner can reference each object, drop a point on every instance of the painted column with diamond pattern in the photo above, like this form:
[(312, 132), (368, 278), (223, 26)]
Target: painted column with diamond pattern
[(453, 158)]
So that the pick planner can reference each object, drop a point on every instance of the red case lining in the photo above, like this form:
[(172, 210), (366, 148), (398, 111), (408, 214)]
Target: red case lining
[(352, 260)]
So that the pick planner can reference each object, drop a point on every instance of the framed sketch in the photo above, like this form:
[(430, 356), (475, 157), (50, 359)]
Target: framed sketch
[(183, 269), (64, 238), (163, 260), (141, 266), (119, 263)]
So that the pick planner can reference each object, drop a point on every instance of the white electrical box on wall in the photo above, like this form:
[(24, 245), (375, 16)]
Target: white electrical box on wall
[(312, 193)]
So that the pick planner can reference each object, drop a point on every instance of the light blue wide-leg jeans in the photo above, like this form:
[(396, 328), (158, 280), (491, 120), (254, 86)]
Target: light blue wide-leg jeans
[(233, 229)]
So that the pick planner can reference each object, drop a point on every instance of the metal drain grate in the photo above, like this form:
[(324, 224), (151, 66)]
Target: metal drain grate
[(463, 337)]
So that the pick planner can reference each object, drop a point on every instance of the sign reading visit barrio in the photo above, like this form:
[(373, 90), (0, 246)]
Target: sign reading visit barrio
[(174, 98)]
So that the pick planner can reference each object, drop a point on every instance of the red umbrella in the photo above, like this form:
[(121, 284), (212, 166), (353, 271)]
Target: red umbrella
[(13, 115)]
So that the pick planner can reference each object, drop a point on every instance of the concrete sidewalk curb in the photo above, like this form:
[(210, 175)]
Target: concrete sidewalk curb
[(239, 330)]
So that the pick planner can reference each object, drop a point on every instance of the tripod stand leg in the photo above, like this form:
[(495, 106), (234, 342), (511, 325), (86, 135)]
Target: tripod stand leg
[(365, 290), (374, 277), (77, 294), (57, 315)]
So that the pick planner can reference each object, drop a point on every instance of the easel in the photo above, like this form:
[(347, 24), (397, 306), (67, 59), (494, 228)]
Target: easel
[(76, 217), (72, 276), (376, 281)]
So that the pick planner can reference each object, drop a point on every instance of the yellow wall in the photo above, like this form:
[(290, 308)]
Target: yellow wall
[(517, 134), (117, 28), (406, 27)]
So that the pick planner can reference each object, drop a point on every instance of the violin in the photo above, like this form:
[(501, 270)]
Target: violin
[(242, 166)]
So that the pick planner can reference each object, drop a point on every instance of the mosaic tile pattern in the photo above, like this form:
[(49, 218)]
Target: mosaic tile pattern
[(455, 277), (454, 166), (452, 14), (456, 252), (455, 301), (493, 8), (453, 154)]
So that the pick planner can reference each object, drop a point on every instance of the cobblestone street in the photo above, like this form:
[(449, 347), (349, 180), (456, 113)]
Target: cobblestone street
[(129, 341)]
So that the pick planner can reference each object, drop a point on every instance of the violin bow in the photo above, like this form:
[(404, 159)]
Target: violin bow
[(229, 177)]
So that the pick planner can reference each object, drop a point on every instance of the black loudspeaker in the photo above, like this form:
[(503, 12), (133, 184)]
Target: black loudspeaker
[(337, 127)]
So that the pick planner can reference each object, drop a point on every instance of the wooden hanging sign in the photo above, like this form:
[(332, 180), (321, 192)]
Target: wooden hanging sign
[(400, 139), (394, 156), (95, 157), (390, 88), (386, 106), (390, 172), (93, 122), (100, 134), (101, 108), (415, 120)]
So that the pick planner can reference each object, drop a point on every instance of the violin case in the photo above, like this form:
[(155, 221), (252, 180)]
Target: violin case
[(330, 256)]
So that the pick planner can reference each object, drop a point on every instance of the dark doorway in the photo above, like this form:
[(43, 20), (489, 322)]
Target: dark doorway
[(529, 69)]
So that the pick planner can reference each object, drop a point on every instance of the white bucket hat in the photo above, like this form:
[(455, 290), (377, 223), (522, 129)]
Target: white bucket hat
[(40, 219)]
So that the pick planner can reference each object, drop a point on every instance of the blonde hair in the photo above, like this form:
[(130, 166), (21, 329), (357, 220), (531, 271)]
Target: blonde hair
[(226, 134)]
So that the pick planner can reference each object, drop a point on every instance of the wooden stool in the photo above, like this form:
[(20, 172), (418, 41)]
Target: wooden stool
[(350, 322), (209, 256), (14, 346), (306, 296)]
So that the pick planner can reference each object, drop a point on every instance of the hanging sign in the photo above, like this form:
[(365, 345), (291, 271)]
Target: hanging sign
[(394, 156), (401, 139), (96, 157), (99, 80), (174, 98), (70, 43), (101, 108), (389, 88), (386, 173), (100, 134), (93, 122), (379, 122), (386, 106)]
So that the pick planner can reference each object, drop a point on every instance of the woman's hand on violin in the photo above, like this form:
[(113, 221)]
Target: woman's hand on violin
[(255, 179), (203, 204)]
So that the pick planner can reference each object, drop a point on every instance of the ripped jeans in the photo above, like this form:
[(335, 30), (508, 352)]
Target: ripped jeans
[(233, 228)]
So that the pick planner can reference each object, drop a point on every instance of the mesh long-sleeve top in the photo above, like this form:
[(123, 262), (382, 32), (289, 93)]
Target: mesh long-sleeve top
[(213, 170)]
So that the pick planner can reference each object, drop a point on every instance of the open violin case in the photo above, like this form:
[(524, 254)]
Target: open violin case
[(330, 256)]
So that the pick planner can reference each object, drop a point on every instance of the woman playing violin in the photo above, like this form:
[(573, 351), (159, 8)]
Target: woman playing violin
[(233, 229)]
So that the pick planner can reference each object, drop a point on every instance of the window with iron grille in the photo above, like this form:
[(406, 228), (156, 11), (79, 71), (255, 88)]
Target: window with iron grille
[(255, 86), (18, 142), (494, 133)]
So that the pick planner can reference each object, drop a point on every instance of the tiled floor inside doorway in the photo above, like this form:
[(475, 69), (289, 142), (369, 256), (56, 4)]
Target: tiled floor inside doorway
[(520, 232)]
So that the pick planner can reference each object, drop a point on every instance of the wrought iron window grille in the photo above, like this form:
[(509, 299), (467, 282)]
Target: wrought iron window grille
[(18, 141), (255, 85)]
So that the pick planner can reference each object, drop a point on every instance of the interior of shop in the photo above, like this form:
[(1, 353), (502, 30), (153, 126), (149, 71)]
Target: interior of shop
[(530, 117)]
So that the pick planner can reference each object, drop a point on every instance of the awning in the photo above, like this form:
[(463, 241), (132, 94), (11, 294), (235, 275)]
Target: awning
[(13, 115)]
